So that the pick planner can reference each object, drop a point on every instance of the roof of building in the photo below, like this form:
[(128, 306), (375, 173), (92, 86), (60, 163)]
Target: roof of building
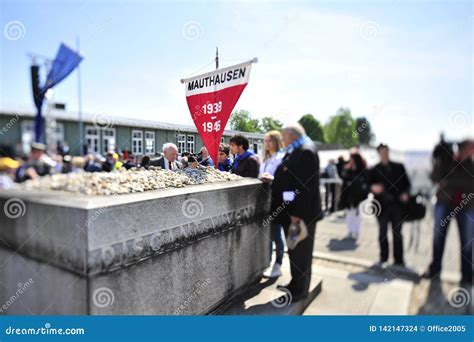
[(110, 121)]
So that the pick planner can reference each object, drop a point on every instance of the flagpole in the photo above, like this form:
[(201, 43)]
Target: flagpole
[(216, 162), (79, 98)]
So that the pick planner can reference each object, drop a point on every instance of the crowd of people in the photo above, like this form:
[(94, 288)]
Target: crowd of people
[(388, 182), (18, 168), (290, 165)]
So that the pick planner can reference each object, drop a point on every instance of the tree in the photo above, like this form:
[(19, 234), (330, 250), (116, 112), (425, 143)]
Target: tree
[(363, 131), (270, 124), (340, 129), (312, 127), (242, 121)]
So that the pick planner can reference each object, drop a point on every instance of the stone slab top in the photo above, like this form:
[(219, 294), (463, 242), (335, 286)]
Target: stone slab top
[(87, 202)]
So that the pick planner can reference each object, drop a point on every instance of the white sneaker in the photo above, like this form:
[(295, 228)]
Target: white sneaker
[(273, 272)]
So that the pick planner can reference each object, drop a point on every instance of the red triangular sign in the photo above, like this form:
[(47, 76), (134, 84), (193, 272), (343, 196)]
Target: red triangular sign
[(211, 98)]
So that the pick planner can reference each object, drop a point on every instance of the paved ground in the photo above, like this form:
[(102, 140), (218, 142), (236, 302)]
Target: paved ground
[(346, 290), (263, 297), (370, 289), (360, 293), (418, 239), (353, 285), (350, 289)]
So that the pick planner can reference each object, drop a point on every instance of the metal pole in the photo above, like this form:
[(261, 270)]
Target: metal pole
[(79, 98), (216, 163)]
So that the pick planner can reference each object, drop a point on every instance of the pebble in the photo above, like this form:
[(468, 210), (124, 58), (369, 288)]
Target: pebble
[(127, 181)]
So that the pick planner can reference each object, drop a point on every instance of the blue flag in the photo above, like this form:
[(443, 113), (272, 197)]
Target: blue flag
[(65, 62)]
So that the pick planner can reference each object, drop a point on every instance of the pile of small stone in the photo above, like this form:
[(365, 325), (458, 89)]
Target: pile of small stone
[(202, 175), (127, 181)]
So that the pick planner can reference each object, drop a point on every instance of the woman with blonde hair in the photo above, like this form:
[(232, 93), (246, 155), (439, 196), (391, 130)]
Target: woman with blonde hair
[(272, 159)]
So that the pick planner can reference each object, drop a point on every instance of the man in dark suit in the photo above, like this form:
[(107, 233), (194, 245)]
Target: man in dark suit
[(168, 160), (389, 183), (296, 198)]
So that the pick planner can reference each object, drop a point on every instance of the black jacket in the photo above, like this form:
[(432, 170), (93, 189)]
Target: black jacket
[(248, 167), (298, 172), (394, 178), (354, 188), (161, 163), (108, 166), (456, 187)]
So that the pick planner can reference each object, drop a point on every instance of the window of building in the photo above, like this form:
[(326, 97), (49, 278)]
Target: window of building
[(93, 138), (190, 144), (137, 142), (181, 142), (150, 143), (108, 140)]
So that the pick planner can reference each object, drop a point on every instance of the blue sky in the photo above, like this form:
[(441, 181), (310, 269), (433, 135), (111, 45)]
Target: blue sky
[(406, 66)]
